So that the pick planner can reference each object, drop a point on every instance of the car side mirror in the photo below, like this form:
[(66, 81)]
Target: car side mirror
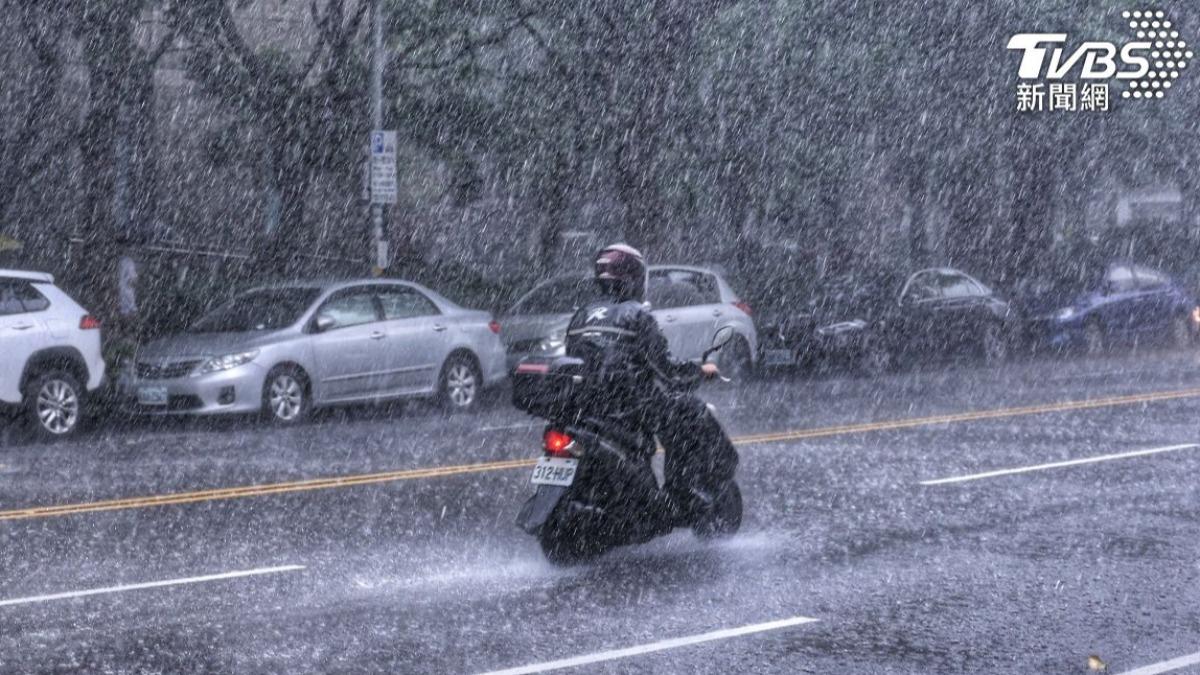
[(324, 322)]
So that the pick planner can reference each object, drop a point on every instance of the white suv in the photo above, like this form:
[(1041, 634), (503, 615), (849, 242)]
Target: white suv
[(49, 353)]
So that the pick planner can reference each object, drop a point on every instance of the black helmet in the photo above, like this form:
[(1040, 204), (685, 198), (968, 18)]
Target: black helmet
[(621, 272)]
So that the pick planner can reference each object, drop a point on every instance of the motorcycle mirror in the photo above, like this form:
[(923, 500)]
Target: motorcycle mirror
[(722, 338)]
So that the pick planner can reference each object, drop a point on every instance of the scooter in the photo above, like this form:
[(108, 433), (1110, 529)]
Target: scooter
[(595, 488)]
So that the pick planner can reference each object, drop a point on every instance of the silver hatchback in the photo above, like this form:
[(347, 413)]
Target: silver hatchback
[(284, 349), (689, 303)]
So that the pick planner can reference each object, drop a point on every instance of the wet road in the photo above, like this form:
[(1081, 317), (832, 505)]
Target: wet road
[(1011, 520)]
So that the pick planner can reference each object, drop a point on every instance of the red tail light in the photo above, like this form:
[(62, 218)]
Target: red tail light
[(494, 325), (557, 442), (89, 322), (741, 304)]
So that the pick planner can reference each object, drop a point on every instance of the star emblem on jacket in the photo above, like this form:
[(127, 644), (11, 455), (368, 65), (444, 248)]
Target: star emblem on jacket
[(597, 314)]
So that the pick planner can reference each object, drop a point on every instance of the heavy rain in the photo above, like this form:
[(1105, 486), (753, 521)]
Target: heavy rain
[(654, 336)]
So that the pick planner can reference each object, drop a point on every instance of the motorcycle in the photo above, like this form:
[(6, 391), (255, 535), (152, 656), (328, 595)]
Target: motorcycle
[(595, 487)]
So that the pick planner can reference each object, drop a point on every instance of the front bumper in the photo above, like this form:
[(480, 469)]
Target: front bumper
[(1052, 333), (237, 390)]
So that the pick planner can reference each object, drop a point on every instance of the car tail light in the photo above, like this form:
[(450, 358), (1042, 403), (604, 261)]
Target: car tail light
[(89, 322), (741, 304), (494, 325), (557, 442)]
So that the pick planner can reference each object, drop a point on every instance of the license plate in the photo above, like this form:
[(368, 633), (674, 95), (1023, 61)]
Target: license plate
[(555, 471), (775, 357), (152, 395)]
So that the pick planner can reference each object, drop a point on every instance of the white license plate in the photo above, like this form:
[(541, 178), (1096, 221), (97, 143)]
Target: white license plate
[(152, 395), (775, 357), (555, 471)]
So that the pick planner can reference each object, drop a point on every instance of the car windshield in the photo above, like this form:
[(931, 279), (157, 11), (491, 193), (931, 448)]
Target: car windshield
[(262, 309), (1067, 279), (846, 299), (556, 297)]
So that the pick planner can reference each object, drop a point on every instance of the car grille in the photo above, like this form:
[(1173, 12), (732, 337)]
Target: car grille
[(165, 371)]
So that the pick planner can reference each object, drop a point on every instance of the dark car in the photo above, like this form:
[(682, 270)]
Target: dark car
[(1091, 307), (872, 325)]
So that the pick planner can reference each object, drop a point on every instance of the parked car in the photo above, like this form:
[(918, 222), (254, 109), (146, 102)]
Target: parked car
[(51, 359), (689, 303), (1094, 306), (283, 349), (874, 324)]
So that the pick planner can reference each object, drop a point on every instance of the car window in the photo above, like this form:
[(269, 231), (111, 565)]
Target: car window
[(350, 308), (956, 286), (682, 288), (1148, 279), (922, 286), (669, 295), (556, 297), (32, 298), (260, 309), (10, 303), (400, 302), (1120, 279)]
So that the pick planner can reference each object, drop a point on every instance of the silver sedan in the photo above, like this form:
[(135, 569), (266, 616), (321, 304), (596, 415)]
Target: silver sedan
[(283, 349)]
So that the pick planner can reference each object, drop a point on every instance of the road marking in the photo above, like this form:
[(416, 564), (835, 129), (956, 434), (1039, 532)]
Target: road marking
[(1166, 666), (975, 416), (674, 643), (151, 584), (503, 465), (1058, 465), (260, 490)]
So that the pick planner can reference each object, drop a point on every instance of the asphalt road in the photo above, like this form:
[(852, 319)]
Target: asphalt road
[(965, 519)]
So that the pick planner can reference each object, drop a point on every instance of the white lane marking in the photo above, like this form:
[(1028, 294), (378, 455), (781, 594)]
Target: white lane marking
[(1166, 666), (674, 643), (151, 584), (1057, 465)]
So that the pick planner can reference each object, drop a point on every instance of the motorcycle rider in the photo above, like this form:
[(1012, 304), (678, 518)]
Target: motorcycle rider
[(627, 354)]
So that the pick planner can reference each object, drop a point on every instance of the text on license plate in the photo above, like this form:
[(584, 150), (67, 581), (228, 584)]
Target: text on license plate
[(152, 395), (555, 471)]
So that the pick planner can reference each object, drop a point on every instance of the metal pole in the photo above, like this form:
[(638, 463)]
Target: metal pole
[(377, 124)]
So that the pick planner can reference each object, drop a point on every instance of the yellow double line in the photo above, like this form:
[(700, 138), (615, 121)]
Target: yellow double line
[(437, 472)]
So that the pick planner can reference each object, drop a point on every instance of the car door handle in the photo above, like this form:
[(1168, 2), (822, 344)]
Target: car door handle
[(717, 312), (22, 326), (669, 319), (378, 335), (438, 327)]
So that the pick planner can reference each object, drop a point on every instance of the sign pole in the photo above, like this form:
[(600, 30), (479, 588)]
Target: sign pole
[(380, 246)]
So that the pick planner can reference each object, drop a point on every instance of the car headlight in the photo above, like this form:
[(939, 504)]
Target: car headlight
[(217, 364), (1196, 315), (1065, 314)]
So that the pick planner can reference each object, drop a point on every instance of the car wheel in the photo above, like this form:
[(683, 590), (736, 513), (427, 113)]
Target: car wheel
[(734, 360), (1181, 331), (995, 344), (54, 404), (1093, 338), (287, 398), (460, 384), (875, 358)]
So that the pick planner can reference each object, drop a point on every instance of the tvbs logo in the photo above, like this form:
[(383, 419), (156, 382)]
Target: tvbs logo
[(1147, 64), (1096, 60)]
